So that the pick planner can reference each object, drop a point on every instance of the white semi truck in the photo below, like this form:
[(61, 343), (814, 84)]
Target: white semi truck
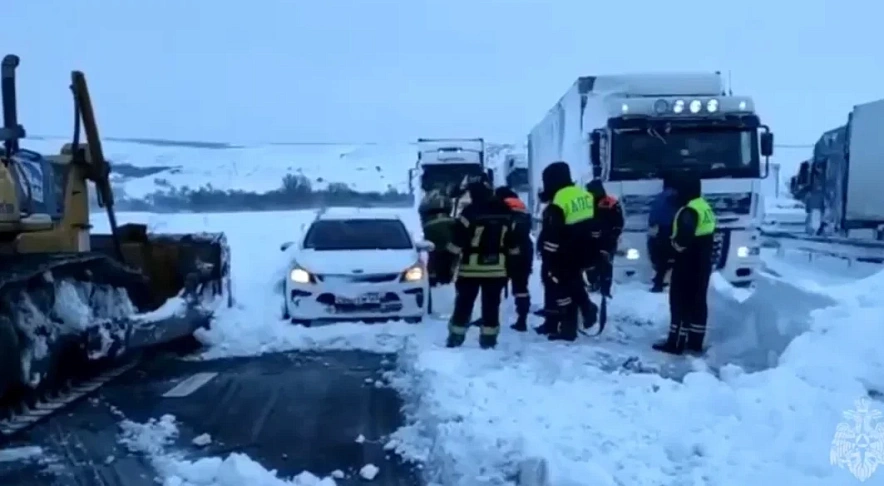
[(443, 164), (631, 130)]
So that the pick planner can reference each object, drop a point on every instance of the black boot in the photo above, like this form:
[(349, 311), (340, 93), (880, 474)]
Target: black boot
[(521, 324), (675, 342), (454, 340), (696, 336), (487, 341), (549, 326), (567, 329), (657, 288)]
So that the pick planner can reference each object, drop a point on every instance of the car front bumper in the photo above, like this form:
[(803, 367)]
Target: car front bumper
[(346, 301)]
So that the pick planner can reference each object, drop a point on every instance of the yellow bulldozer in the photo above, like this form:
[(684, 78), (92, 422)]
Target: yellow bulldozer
[(68, 298)]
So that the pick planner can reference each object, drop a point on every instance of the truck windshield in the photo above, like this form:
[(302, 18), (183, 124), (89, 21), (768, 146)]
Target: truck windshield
[(446, 177), (517, 179), (707, 152)]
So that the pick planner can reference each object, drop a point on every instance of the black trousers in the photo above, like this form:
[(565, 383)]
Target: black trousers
[(688, 306), (569, 296), (519, 283), (468, 289), (660, 252)]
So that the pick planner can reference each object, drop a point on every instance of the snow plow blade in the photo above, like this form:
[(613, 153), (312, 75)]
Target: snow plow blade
[(68, 314)]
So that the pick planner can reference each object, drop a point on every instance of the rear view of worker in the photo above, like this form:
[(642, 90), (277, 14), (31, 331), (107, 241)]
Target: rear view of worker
[(519, 267), (438, 225), (609, 226), (485, 237), (567, 246), (692, 238)]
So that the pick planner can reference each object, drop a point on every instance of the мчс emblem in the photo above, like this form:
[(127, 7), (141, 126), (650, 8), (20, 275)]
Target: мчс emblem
[(858, 445)]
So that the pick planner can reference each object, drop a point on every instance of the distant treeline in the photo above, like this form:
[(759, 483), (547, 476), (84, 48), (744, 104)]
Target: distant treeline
[(295, 192)]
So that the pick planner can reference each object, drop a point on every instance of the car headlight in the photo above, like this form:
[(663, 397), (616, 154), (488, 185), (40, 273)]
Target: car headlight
[(745, 251), (695, 106), (632, 254), (712, 106), (678, 107), (301, 276), (413, 274)]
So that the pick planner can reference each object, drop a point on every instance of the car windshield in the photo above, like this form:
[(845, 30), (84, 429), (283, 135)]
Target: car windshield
[(707, 152), (358, 234)]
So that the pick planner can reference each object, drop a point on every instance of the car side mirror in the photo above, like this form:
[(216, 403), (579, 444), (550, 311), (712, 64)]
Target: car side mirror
[(424, 245), (767, 144), (285, 246)]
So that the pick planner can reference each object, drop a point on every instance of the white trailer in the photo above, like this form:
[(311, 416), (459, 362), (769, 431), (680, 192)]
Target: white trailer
[(864, 176), (443, 164), (630, 130)]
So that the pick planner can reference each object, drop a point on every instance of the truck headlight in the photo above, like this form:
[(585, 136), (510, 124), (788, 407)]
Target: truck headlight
[(712, 106), (413, 274), (695, 106), (678, 106), (745, 251), (301, 276), (632, 254)]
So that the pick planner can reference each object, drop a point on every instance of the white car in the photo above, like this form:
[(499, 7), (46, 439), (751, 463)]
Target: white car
[(356, 266)]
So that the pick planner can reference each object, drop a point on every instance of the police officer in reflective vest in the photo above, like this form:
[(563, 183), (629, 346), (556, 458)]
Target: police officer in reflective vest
[(693, 241), (567, 248), (484, 239)]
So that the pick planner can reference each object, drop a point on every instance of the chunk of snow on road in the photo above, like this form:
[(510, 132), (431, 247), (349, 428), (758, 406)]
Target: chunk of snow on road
[(14, 454), (360, 439), (202, 440), (369, 472), (155, 438), (337, 474)]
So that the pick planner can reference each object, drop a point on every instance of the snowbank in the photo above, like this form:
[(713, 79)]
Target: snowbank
[(480, 414)]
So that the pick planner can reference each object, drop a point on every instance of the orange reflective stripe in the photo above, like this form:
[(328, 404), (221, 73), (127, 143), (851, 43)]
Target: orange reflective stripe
[(608, 202), (515, 204)]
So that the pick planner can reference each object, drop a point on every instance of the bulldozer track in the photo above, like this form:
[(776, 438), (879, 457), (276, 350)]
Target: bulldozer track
[(31, 410)]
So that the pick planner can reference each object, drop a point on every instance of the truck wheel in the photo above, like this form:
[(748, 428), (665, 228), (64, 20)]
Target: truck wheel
[(10, 356)]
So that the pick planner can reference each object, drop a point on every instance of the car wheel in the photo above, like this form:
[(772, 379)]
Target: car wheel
[(285, 309), (414, 320)]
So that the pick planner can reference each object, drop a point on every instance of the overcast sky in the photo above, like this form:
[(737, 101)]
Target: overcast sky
[(378, 70)]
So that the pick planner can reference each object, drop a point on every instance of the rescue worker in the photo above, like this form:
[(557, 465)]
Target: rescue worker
[(692, 239), (484, 239), (567, 247), (609, 226), (438, 227), (660, 219), (519, 268)]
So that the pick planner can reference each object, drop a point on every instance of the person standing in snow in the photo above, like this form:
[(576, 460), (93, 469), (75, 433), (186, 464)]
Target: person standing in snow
[(519, 267), (663, 209), (693, 231), (484, 239), (438, 227), (567, 247)]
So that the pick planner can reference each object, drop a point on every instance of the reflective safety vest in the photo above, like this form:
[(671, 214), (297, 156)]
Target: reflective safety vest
[(577, 203), (705, 217)]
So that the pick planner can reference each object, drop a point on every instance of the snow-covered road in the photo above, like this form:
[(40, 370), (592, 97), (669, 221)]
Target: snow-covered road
[(475, 416)]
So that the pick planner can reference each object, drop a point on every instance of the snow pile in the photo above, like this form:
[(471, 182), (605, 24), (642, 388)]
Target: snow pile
[(476, 416), (156, 437)]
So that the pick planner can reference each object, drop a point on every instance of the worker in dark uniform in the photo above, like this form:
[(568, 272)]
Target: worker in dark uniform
[(663, 209), (438, 226), (566, 245), (519, 267), (692, 239), (609, 226), (485, 237)]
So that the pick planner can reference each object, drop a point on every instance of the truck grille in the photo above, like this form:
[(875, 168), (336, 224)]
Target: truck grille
[(720, 248)]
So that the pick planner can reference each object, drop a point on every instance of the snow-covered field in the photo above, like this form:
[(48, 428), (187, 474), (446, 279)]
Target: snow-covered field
[(163, 166), (475, 416)]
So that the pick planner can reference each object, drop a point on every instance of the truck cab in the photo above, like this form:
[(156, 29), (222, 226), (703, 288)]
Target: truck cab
[(443, 164), (696, 131)]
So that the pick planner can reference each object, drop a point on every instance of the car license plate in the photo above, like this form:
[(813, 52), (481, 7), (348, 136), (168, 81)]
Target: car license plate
[(370, 298)]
